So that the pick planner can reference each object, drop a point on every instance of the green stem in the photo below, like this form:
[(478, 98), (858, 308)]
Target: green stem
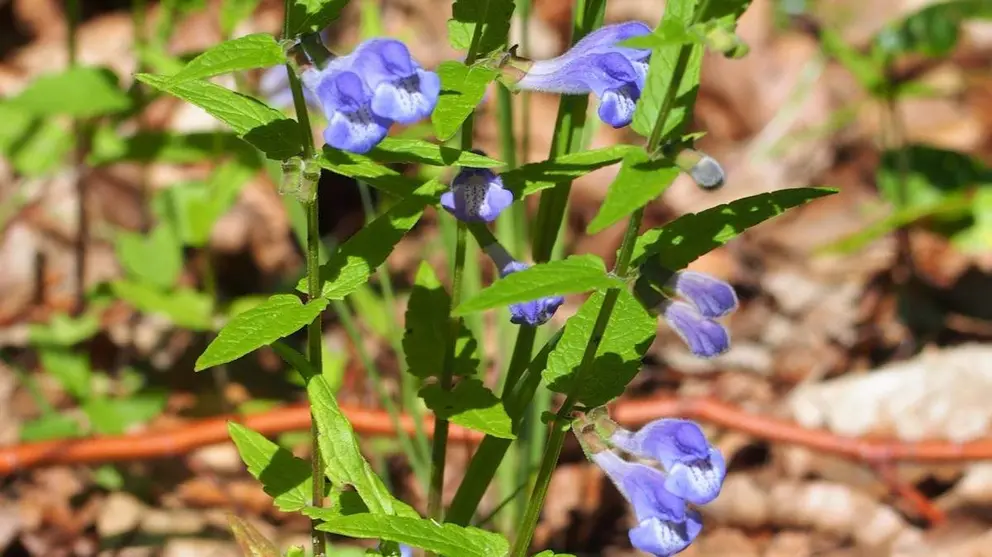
[(314, 338)]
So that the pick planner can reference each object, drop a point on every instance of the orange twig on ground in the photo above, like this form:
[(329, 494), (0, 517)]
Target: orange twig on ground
[(635, 412)]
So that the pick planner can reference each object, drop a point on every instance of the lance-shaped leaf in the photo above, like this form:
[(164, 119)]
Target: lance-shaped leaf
[(443, 539), (367, 170), (345, 464), (628, 336), (166, 147), (283, 476), (312, 16), (470, 404), (425, 152), (356, 259), (83, 92), (262, 126), (639, 181), (681, 241), (677, 62), (427, 330), (462, 89), (259, 50), (577, 273), (536, 176), (280, 316), (932, 31)]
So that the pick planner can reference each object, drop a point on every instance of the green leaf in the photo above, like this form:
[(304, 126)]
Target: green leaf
[(184, 307), (930, 174), (353, 263), (869, 72), (470, 404), (663, 69), (424, 152), (493, 15), (932, 31), (549, 553), (64, 330), (155, 259), (575, 274), (280, 316), (233, 12), (115, 416), (345, 464), (427, 330), (670, 32), (628, 336), (536, 176), (443, 539), (251, 542), (681, 241), (81, 92), (34, 146), (259, 50), (50, 426), (312, 16), (639, 181), (197, 207), (462, 89), (147, 146), (283, 476), (365, 169), (71, 370), (262, 126)]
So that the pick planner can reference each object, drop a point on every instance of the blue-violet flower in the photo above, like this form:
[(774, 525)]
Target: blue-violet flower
[(364, 93), (665, 527), (615, 74), (533, 313), (695, 468), (709, 298), (476, 195)]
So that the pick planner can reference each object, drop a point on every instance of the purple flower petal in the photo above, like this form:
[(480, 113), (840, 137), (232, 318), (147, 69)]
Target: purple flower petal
[(704, 337), (476, 195), (617, 105), (662, 538), (351, 124), (711, 296), (695, 469), (533, 313)]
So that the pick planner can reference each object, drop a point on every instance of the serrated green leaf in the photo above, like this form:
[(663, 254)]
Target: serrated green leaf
[(64, 330), (354, 261), (233, 12), (262, 126), (427, 327), (536, 176), (51, 426), (94, 92), (252, 542), (628, 336), (70, 369), (155, 259), (392, 150), (115, 416), (930, 175), (681, 241), (365, 169), (312, 16), (494, 15), (345, 464), (166, 147), (258, 50), (639, 181), (186, 308), (283, 476), (280, 316), (443, 539), (462, 89), (663, 69), (470, 404), (932, 31), (572, 275)]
